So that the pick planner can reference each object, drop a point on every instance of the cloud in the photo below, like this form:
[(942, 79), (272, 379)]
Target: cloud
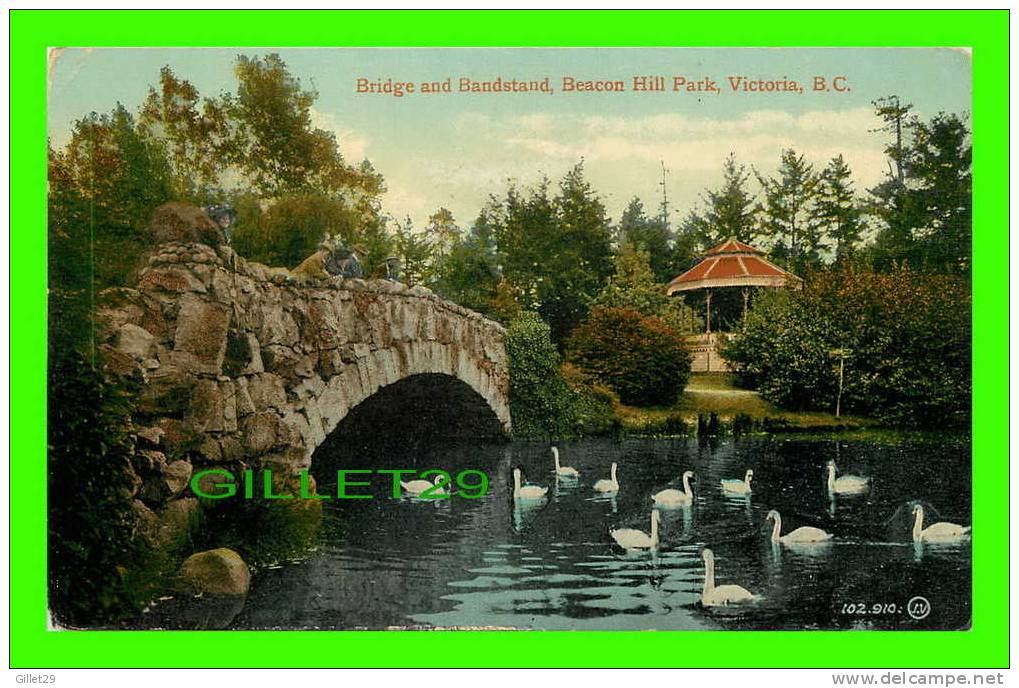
[(474, 156), (353, 145)]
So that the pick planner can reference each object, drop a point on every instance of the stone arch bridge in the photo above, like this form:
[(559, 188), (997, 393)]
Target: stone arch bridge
[(247, 366)]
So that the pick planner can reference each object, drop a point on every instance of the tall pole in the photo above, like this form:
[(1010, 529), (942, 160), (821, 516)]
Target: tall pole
[(665, 199), (708, 318), (838, 399), (746, 296)]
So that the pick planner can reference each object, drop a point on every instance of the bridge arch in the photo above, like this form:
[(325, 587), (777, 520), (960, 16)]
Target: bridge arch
[(246, 366)]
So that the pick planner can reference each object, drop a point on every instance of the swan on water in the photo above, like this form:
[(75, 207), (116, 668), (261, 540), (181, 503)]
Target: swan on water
[(739, 487), (631, 538), (673, 497), (563, 471), (416, 487), (521, 491), (846, 484), (804, 535), (610, 484), (936, 532), (722, 595)]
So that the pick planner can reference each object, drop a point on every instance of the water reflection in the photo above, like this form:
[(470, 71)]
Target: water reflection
[(500, 562)]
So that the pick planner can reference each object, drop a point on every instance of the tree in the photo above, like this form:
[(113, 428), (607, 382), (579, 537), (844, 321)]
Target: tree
[(583, 256), (470, 275), (90, 538), (940, 165), (539, 397), (835, 212), (415, 251), (787, 200), (924, 206), (729, 211), (649, 235), (293, 227), (103, 187), (273, 143), (442, 231), (633, 287), (556, 252), (907, 333), (192, 132)]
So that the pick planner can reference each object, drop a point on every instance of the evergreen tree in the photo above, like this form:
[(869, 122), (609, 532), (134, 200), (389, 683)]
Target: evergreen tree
[(835, 212), (415, 251), (730, 211), (634, 287), (890, 203), (787, 201), (924, 206), (647, 234), (556, 252), (469, 273), (940, 167)]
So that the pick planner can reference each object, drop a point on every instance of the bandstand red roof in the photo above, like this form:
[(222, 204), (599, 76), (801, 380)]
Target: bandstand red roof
[(733, 264)]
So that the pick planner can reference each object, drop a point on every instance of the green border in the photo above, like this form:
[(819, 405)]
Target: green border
[(985, 645)]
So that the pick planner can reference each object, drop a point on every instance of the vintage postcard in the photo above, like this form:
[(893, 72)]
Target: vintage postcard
[(510, 338)]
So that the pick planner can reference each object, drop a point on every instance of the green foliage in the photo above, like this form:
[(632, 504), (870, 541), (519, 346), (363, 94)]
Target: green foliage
[(835, 212), (539, 396), (556, 252), (730, 211), (264, 533), (547, 399), (924, 206), (593, 404), (633, 287), (416, 251), (293, 227), (639, 357), (191, 133), (89, 494), (786, 213), (257, 148), (469, 273), (274, 143), (103, 185), (906, 337), (650, 235)]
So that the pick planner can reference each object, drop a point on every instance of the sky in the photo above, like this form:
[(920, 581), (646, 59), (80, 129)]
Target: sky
[(455, 149)]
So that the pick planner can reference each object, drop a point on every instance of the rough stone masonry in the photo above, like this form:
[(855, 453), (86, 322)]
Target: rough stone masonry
[(244, 366)]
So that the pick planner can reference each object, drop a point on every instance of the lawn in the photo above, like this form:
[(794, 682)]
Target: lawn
[(714, 393)]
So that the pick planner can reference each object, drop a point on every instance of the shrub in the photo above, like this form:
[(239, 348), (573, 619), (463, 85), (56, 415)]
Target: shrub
[(91, 518), (633, 287), (539, 397), (593, 407), (907, 336), (639, 357)]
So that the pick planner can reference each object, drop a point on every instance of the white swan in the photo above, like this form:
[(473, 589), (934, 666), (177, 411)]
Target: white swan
[(804, 535), (563, 471), (673, 497), (937, 532), (739, 487), (630, 538), (609, 485), (722, 595), (846, 484), (526, 492), (416, 487)]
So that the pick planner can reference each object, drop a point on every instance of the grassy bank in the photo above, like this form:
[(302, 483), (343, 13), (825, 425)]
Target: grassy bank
[(712, 404)]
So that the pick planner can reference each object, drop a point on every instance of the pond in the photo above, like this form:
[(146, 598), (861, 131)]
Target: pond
[(385, 563)]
